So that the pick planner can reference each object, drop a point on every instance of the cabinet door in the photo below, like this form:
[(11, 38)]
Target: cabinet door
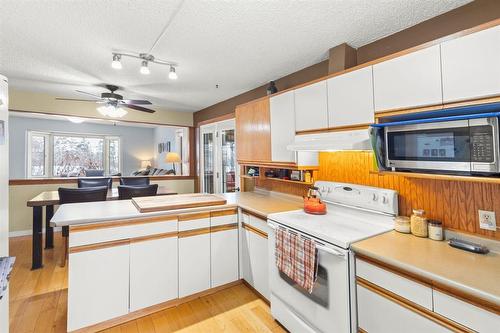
[(377, 314), (408, 81), (471, 66), (282, 109), (153, 272), (259, 263), (224, 257), (350, 98), (194, 264), (311, 109), (253, 131), (98, 285)]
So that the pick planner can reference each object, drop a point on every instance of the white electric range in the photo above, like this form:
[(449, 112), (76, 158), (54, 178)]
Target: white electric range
[(354, 212)]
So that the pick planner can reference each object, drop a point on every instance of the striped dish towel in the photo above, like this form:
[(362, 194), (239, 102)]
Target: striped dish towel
[(296, 257)]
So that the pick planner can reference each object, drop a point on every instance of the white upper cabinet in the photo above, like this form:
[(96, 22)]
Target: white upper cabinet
[(411, 80), (350, 98), (471, 66), (311, 107), (282, 111)]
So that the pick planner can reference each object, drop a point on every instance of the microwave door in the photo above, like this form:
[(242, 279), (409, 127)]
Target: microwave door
[(443, 146)]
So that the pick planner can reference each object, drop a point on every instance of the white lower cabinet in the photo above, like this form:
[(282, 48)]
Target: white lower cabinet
[(98, 285), (254, 260), (194, 264), (153, 272), (379, 314), (224, 257)]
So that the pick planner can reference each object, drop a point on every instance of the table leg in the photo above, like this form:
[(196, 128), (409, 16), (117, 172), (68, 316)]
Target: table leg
[(49, 231), (37, 238)]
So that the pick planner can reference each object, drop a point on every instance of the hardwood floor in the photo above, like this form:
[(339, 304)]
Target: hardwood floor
[(38, 301)]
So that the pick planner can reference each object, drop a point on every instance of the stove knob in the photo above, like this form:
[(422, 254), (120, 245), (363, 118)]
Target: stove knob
[(385, 200), (374, 197), (329, 190)]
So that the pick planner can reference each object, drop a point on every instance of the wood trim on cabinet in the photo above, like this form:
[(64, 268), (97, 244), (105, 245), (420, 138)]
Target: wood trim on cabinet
[(194, 232), (254, 230), (360, 330), (420, 310), (226, 116), (121, 223), (224, 227), (335, 129), (98, 246), (454, 292), (153, 237), (262, 217), (194, 216), (217, 213), (152, 309)]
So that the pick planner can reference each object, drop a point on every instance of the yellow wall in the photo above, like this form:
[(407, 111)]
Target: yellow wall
[(21, 216), (38, 102)]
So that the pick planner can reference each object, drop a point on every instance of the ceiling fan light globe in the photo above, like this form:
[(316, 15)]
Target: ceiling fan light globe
[(117, 113), (172, 75), (116, 64), (144, 68)]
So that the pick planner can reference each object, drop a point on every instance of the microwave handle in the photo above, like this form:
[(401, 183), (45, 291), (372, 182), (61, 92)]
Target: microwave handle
[(318, 246)]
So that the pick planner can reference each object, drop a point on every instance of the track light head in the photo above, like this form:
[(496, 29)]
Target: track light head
[(116, 64), (172, 75), (144, 68)]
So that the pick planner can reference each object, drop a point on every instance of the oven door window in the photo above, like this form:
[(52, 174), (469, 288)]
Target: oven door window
[(443, 145)]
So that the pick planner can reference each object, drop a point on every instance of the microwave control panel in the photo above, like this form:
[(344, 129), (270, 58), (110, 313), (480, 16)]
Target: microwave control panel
[(482, 146)]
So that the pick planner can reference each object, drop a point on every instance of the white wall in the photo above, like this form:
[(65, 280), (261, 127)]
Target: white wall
[(163, 135)]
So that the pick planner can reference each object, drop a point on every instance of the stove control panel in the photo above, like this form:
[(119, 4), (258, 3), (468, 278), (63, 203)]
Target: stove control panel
[(366, 197)]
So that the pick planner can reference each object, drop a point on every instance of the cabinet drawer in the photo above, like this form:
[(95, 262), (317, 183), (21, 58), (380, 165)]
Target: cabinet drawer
[(413, 291), (378, 314), (223, 217), (194, 221), (466, 314), (101, 234)]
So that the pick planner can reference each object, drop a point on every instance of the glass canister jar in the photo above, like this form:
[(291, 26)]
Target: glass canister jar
[(435, 230), (418, 223), (402, 224)]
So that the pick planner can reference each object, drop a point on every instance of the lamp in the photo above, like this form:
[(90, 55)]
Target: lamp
[(145, 164), (173, 158)]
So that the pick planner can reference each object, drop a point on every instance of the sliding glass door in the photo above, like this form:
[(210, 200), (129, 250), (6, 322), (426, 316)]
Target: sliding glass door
[(218, 167)]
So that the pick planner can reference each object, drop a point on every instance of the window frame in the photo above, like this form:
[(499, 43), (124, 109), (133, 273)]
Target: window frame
[(49, 150)]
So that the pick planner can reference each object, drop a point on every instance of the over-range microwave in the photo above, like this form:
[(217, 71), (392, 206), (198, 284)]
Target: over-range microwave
[(462, 144)]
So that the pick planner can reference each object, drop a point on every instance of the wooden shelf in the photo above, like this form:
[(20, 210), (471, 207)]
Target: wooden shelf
[(288, 181), (474, 179), (249, 177), (277, 165)]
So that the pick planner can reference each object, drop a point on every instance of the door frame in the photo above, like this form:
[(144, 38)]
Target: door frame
[(216, 128)]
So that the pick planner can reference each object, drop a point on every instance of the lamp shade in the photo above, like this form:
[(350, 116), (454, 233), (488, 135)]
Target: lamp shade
[(145, 164), (172, 158)]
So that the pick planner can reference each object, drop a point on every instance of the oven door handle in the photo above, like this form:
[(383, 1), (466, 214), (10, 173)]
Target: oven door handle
[(318, 246)]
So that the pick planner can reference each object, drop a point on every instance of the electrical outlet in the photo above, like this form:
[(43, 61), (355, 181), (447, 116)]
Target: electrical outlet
[(487, 220)]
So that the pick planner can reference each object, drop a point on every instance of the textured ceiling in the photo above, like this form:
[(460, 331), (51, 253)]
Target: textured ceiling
[(58, 46)]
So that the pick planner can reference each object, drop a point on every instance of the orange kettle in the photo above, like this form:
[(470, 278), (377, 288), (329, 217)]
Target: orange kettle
[(313, 204)]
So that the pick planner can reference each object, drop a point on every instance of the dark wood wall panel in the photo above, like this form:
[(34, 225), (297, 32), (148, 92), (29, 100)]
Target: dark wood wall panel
[(455, 203)]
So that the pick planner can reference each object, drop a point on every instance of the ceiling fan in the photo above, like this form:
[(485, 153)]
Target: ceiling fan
[(112, 100)]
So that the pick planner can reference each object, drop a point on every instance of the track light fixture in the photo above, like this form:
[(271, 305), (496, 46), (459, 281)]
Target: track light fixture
[(116, 64), (144, 68), (146, 59)]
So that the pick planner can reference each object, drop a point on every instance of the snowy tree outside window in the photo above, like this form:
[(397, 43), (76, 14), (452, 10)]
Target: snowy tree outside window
[(69, 155)]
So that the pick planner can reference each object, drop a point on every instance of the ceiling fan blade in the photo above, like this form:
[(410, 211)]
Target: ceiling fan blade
[(135, 101), (138, 108), (90, 94), (76, 99)]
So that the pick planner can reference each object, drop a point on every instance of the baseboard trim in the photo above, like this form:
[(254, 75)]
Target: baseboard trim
[(20, 233)]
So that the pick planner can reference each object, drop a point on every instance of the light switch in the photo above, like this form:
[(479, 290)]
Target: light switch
[(487, 220)]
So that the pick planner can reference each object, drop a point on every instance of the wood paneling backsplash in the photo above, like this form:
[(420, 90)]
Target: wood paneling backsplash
[(455, 203)]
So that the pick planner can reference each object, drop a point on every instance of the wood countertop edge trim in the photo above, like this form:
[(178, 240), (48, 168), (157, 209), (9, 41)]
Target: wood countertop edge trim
[(74, 180), (431, 283), (193, 216), (98, 246), (224, 212), (254, 230), (152, 309), (431, 315), (121, 223)]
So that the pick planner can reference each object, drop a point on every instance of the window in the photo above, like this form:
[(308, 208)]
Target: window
[(69, 155)]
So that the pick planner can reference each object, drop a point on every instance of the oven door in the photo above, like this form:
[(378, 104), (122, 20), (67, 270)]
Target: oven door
[(327, 308), (443, 146)]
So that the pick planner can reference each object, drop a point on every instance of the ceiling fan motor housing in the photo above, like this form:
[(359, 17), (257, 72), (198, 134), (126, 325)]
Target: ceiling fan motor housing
[(112, 95)]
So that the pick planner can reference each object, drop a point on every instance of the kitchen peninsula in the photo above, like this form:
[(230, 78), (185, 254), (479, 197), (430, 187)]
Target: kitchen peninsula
[(119, 258)]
